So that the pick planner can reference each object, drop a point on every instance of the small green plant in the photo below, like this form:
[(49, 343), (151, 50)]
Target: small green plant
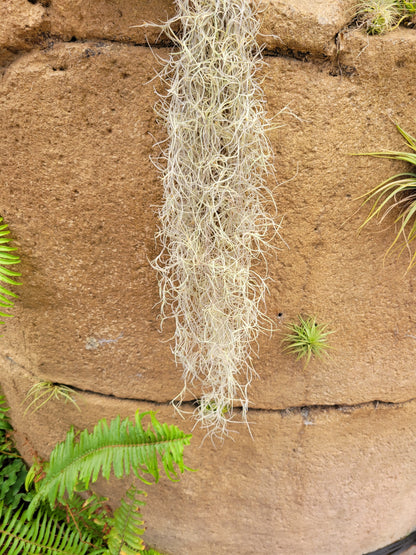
[(51, 518), (13, 470), (43, 392), (6, 274), (307, 338), (381, 16), (396, 193)]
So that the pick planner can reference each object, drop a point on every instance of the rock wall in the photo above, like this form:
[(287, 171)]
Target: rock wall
[(331, 464)]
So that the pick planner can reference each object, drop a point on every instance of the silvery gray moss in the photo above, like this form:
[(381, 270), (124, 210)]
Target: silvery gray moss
[(214, 225)]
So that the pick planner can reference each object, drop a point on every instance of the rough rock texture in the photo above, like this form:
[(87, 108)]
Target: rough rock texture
[(106, 19), (312, 481), (308, 28), (79, 192), (90, 295), (305, 28), (21, 23)]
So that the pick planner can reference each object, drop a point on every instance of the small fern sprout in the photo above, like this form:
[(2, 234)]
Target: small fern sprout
[(42, 392), (307, 339)]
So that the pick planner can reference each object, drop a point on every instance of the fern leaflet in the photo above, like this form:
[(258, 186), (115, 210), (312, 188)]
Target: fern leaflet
[(124, 537), (7, 275)]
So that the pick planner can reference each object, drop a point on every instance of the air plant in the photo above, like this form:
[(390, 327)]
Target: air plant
[(396, 193), (214, 224), (42, 392), (307, 339), (381, 16)]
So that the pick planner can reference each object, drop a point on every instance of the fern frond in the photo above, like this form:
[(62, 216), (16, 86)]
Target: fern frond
[(121, 447), (124, 537), (91, 515), (7, 275), (42, 534)]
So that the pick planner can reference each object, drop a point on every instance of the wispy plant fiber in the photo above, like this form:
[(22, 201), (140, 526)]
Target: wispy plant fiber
[(214, 224)]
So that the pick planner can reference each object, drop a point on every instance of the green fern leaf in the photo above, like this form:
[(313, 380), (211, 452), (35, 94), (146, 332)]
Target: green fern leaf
[(121, 447), (124, 536), (90, 515), (41, 535), (7, 275)]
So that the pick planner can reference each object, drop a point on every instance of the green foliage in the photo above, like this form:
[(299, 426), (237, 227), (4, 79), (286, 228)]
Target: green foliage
[(41, 535), (122, 447), (51, 520), (381, 16), (396, 193), (12, 468), (6, 274), (307, 339), (42, 392), (125, 535), (48, 530), (90, 516), (409, 7)]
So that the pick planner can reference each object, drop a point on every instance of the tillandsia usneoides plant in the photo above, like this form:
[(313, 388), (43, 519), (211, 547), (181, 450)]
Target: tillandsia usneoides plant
[(215, 227)]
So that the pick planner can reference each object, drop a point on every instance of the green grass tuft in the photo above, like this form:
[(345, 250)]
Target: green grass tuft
[(43, 392)]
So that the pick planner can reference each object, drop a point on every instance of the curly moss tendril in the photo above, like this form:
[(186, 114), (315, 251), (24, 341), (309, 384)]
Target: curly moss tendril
[(214, 222)]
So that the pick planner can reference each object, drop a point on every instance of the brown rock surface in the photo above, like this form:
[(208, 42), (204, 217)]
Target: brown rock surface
[(79, 193), (315, 481), (21, 23), (106, 19), (304, 27), (307, 28), (79, 121)]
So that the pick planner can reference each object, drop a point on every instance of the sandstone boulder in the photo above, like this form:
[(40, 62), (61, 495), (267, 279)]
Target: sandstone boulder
[(330, 466)]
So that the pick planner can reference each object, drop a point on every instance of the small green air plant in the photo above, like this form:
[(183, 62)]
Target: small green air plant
[(382, 16), (43, 392), (396, 193), (51, 517), (307, 339), (6, 274)]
